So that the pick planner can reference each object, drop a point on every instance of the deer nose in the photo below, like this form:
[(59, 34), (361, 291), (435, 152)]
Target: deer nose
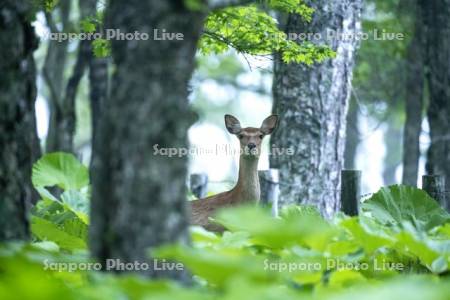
[(251, 146)]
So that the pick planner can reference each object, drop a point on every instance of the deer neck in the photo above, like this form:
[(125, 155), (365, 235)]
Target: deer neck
[(247, 187)]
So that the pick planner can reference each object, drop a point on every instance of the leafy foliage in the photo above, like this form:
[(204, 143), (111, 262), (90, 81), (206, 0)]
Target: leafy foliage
[(62, 220), (60, 169), (46, 230), (101, 48), (303, 248), (401, 232), (252, 31), (247, 29), (394, 205), (46, 5), (292, 6)]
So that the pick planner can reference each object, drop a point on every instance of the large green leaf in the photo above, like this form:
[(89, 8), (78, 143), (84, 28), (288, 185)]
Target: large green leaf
[(400, 287), (48, 231), (300, 226), (55, 221), (217, 266), (78, 201), (60, 169), (360, 234), (394, 205)]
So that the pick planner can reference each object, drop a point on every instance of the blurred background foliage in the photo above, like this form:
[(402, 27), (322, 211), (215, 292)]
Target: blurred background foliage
[(240, 84)]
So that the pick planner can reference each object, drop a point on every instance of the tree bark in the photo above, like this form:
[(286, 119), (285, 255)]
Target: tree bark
[(438, 76), (63, 116), (53, 73), (66, 124), (312, 103), (414, 102), (351, 136), (98, 91), (18, 136), (98, 74), (139, 197)]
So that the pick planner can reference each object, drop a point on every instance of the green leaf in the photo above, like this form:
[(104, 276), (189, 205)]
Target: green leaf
[(400, 287), (444, 231), (60, 169), (369, 240), (396, 204), (47, 246), (88, 25), (408, 243), (301, 227), (78, 201), (60, 220), (439, 265), (250, 30), (195, 5), (49, 5), (202, 237), (345, 278), (101, 47), (217, 266), (48, 231), (234, 240)]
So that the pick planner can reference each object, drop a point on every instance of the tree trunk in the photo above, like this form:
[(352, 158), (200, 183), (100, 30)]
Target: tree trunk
[(63, 116), (414, 102), (312, 103), (53, 73), (392, 158), (18, 136), (139, 197), (98, 91), (438, 76), (66, 125), (351, 136), (98, 75)]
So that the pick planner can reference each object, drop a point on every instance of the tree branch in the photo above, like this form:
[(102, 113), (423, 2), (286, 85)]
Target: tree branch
[(258, 89), (73, 82), (220, 4)]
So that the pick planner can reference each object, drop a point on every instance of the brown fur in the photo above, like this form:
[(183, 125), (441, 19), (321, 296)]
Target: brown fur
[(204, 208)]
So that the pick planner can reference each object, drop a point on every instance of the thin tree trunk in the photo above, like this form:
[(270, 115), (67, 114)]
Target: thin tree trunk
[(18, 136), (351, 136), (438, 76), (98, 91), (66, 125), (139, 197), (392, 158), (414, 102), (312, 103), (63, 117), (53, 73)]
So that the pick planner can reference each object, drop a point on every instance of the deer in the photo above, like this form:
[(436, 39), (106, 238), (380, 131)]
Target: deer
[(246, 190)]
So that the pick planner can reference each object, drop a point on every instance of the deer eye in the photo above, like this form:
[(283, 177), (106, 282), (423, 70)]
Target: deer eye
[(261, 136), (240, 136)]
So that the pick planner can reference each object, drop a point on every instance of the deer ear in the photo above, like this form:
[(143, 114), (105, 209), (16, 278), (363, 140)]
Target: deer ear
[(233, 125), (269, 124)]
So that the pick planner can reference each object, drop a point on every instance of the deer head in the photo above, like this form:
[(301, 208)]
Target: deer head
[(250, 138)]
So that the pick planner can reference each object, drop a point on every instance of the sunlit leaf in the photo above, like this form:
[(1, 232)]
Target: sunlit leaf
[(60, 169)]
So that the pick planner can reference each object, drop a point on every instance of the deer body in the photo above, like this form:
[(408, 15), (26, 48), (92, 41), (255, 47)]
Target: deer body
[(247, 188)]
